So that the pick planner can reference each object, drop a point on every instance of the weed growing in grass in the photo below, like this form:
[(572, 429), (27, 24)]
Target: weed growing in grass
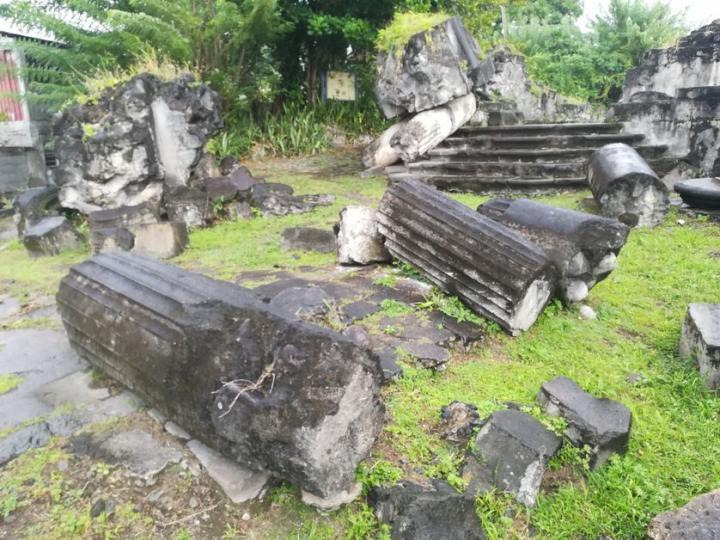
[(380, 473)]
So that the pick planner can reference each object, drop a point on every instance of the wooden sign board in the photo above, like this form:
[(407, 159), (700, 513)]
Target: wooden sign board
[(340, 86)]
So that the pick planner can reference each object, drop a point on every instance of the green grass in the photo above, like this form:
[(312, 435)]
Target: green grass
[(23, 277), (404, 26), (9, 381), (229, 248)]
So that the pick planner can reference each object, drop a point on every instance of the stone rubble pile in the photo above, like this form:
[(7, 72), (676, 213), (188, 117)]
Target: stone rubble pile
[(507, 260), (626, 188), (673, 97), (233, 371), (498, 273)]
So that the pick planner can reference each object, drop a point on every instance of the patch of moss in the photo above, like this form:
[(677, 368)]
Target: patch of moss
[(404, 26)]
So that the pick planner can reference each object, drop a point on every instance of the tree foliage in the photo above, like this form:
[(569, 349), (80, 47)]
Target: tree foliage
[(592, 65)]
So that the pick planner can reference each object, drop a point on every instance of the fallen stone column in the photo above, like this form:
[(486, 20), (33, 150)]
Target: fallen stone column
[(700, 341), (582, 246), (626, 187), (494, 270), (276, 395), (379, 153), (429, 128)]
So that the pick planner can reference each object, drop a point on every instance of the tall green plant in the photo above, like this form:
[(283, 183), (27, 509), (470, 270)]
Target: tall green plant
[(221, 39)]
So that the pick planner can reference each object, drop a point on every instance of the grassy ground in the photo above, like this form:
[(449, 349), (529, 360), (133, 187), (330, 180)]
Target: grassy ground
[(628, 354)]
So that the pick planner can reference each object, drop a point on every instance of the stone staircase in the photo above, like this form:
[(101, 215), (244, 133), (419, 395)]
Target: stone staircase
[(528, 156)]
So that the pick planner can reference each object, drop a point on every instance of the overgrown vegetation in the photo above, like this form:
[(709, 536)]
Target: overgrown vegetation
[(591, 65), (404, 25), (9, 382)]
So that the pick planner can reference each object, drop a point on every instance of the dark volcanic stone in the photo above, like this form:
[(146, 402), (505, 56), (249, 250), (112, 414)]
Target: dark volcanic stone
[(51, 236), (359, 310), (188, 205), (459, 420), (22, 440), (388, 363), (308, 239), (703, 193), (510, 453), (32, 205), (599, 423), (428, 355), (700, 340), (242, 179), (465, 331), (273, 393), (419, 513), (221, 188), (697, 520)]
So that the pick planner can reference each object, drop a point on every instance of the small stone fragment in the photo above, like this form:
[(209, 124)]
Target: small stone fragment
[(459, 420), (358, 239), (599, 423), (700, 340), (419, 513), (176, 431), (510, 453), (238, 483), (22, 440), (51, 236), (587, 313), (428, 355)]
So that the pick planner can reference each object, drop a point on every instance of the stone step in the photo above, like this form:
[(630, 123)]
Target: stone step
[(541, 141), (479, 184), (543, 129), (530, 154), (565, 169)]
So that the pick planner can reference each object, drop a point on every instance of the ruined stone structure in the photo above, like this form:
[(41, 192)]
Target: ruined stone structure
[(273, 393), (673, 97), (530, 156), (137, 140)]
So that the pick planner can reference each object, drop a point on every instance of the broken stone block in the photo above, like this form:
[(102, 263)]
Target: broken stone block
[(109, 229), (137, 229), (700, 340), (220, 188), (582, 246), (188, 205), (51, 236), (510, 453), (278, 200), (459, 420), (625, 186), (699, 519), (235, 373), (238, 483), (428, 355), (701, 193), (160, 240), (22, 440), (429, 71), (494, 270), (32, 205), (308, 239), (416, 512), (426, 130), (601, 424), (358, 238)]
